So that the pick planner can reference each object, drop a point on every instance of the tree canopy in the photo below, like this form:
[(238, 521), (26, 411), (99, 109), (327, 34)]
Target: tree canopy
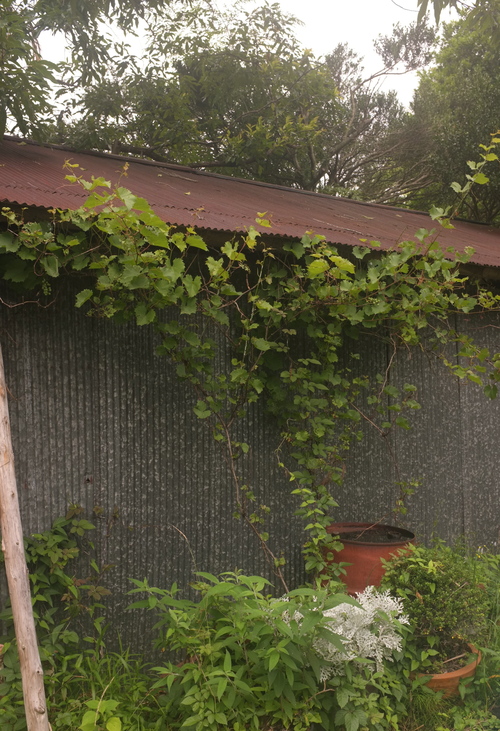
[(26, 79), (236, 93), (231, 92), (456, 108)]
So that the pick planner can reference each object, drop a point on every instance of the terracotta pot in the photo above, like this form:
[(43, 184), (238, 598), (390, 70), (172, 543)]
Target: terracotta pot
[(448, 683), (364, 554)]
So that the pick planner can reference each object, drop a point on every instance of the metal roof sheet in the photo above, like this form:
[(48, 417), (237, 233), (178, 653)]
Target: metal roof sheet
[(32, 174)]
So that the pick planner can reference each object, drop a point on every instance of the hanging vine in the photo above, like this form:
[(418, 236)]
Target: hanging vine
[(284, 311)]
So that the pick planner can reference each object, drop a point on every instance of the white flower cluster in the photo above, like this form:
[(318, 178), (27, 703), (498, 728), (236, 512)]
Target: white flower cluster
[(367, 632)]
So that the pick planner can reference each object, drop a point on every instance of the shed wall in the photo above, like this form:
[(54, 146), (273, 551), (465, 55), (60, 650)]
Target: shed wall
[(100, 421)]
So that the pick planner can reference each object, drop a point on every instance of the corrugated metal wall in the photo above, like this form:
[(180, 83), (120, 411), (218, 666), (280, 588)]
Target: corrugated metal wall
[(100, 421)]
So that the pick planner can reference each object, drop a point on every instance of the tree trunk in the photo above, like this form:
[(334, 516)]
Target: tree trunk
[(17, 575)]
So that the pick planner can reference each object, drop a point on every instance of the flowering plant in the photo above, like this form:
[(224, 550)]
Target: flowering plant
[(368, 631)]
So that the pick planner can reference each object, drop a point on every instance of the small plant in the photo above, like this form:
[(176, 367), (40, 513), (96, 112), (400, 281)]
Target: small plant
[(444, 594), (88, 687)]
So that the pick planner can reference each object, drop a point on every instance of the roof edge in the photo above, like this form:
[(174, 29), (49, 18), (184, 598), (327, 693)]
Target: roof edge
[(203, 173)]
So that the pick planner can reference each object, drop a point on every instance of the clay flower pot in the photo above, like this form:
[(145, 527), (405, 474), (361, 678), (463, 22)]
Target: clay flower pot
[(365, 544), (448, 683)]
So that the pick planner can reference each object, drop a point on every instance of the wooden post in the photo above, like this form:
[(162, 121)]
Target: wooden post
[(17, 575)]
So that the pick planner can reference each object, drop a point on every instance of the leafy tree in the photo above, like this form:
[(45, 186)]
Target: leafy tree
[(26, 79), (455, 109), (238, 94), (235, 93), (483, 14)]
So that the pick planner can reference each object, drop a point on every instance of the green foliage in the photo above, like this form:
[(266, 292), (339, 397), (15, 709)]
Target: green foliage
[(231, 91), (87, 687), (235, 657), (482, 15), (444, 594), (25, 78), (287, 313), (235, 92), (248, 661), (456, 108), (450, 594)]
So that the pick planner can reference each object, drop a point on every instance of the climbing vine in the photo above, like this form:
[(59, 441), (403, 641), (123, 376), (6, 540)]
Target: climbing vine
[(284, 311)]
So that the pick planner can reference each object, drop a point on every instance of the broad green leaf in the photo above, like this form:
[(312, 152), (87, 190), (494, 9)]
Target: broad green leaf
[(215, 266), (143, 316), (173, 270), (128, 198), (263, 305), (83, 297), (8, 242), (88, 721), (261, 344), (317, 267), (274, 659), (188, 306), (343, 264), (342, 697), (296, 248), (141, 204), (51, 265), (351, 722), (481, 179), (114, 724), (201, 410), (80, 262), (156, 237), (196, 241), (221, 687), (491, 391), (191, 721), (192, 285), (133, 277)]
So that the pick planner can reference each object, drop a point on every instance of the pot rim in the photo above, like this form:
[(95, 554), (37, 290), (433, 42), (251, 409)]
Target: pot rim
[(350, 527), (461, 672)]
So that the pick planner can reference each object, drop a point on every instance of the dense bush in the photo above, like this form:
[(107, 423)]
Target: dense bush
[(251, 661), (444, 594)]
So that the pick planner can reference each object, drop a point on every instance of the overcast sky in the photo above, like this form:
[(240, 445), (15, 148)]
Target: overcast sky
[(357, 22)]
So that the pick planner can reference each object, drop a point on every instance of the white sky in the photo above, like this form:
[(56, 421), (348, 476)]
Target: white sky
[(358, 23)]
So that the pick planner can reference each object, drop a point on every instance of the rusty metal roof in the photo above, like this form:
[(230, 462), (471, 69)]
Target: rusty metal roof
[(33, 175)]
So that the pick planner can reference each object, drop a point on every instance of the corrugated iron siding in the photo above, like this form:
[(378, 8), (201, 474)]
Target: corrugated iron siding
[(100, 421)]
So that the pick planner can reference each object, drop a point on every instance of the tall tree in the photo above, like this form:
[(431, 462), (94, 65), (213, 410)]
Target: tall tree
[(456, 108), (239, 95)]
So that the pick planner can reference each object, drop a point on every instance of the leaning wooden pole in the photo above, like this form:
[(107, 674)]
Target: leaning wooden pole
[(17, 575)]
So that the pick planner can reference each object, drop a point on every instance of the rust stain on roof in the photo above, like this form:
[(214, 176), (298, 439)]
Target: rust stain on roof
[(34, 175)]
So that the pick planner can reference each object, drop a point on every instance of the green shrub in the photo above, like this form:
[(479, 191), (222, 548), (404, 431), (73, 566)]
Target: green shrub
[(445, 596), (249, 661)]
